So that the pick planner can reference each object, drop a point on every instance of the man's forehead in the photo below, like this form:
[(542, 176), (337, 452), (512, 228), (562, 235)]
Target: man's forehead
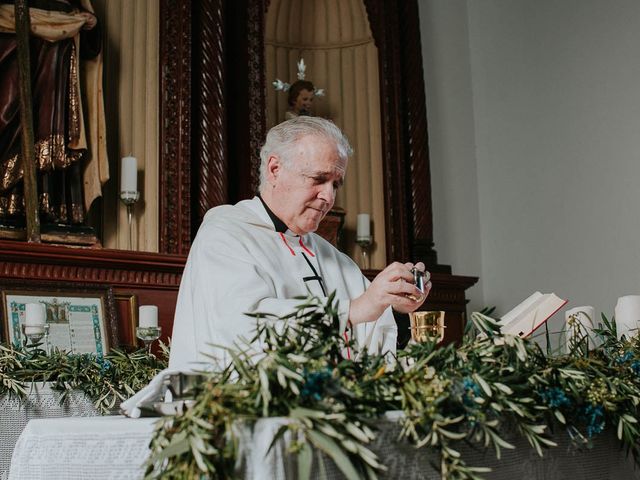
[(326, 166), (337, 169), (319, 156)]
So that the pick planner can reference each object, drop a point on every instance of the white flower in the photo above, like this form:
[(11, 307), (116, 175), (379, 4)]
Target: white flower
[(301, 69), (280, 85)]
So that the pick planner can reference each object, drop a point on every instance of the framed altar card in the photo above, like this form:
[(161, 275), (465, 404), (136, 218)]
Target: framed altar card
[(80, 318)]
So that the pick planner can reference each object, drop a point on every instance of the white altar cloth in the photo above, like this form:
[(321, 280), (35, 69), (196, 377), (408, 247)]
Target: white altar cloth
[(42, 401), (106, 448), (100, 448)]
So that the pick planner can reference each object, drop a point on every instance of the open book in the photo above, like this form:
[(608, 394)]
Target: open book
[(525, 318)]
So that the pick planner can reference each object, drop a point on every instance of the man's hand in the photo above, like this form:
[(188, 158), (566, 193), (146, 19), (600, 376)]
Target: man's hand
[(392, 287)]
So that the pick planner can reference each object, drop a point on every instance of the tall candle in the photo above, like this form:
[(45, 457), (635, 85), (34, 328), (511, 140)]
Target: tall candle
[(129, 175), (364, 222), (148, 316), (34, 318), (580, 322), (627, 313), (34, 314)]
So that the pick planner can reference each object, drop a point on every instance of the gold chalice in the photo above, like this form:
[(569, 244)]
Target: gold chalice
[(427, 326)]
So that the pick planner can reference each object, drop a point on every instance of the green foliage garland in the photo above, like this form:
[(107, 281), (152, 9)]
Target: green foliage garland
[(471, 392), (106, 381)]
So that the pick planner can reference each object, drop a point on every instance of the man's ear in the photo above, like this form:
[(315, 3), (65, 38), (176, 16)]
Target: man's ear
[(274, 167)]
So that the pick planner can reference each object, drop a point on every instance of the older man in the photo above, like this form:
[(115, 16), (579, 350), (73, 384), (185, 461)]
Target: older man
[(259, 254)]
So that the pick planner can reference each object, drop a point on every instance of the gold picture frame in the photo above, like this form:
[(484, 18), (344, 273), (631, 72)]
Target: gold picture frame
[(81, 317), (131, 301)]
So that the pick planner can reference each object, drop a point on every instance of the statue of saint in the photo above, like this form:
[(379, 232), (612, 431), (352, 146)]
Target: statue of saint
[(68, 112), (300, 94)]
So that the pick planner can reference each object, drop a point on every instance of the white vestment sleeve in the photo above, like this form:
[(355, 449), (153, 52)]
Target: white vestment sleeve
[(378, 337)]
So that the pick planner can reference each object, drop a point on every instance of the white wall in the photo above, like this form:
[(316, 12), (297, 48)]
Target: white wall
[(555, 102), (454, 180)]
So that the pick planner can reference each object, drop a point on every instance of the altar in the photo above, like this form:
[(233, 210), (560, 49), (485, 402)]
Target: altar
[(116, 447), (41, 402)]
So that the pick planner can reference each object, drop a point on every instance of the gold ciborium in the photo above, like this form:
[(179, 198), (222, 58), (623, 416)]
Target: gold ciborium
[(427, 326)]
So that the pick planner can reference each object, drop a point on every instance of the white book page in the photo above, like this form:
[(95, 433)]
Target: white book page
[(520, 309), (535, 315)]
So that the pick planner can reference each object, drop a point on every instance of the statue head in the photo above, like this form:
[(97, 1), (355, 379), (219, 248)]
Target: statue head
[(300, 98)]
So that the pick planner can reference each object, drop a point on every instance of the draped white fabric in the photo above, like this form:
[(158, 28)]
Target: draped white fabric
[(104, 448), (132, 101)]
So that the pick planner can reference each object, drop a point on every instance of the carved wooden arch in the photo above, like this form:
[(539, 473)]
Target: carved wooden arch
[(213, 117), (205, 61)]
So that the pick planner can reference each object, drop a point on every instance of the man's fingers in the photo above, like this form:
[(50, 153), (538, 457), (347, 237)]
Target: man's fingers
[(405, 289)]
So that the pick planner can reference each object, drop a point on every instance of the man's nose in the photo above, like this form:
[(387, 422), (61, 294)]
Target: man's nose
[(327, 192)]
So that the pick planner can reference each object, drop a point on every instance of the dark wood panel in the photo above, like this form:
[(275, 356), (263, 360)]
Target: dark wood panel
[(210, 172), (175, 126), (116, 267), (138, 277), (416, 128)]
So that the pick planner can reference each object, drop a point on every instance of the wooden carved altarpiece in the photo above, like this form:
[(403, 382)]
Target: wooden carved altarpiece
[(212, 123)]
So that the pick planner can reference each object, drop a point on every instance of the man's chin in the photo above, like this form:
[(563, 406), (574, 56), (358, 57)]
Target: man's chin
[(313, 226)]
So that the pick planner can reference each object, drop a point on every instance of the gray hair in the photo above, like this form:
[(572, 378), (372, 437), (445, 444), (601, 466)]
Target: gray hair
[(282, 137)]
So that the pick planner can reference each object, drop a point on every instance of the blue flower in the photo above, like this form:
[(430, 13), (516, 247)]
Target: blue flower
[(555, 398), (628, 355), (315, 383), (635, 366), (469, 385), (105, 365), (470, 390), (594, 417)]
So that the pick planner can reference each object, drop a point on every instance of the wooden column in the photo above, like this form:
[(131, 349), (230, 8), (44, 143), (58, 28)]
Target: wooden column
[(23, 30)]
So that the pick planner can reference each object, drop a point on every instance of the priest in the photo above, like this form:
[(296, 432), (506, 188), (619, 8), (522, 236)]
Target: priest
[(257, 255)]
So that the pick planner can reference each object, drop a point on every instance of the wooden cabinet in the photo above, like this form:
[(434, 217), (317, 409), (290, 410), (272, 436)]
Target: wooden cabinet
[(137, 278), (140, 278)]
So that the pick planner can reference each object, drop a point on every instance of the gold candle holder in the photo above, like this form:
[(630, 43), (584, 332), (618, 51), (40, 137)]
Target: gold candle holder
[(427, 326)]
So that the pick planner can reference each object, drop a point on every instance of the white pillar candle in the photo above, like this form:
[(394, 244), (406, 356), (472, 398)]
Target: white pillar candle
[(627, 313), (129, 175), (364, 222), (580, 322), (148, 316), (34, 318)]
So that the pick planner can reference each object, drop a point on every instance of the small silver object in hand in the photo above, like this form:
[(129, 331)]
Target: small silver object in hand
[(419, 279)]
